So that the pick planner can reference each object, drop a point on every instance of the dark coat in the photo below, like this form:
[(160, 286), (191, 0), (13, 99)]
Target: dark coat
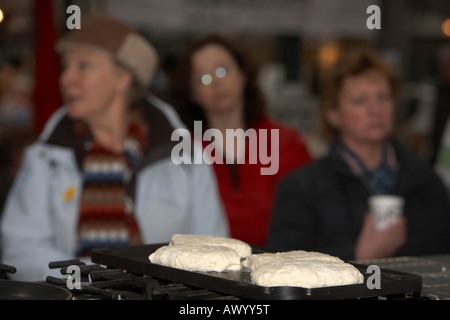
[(321, 207)]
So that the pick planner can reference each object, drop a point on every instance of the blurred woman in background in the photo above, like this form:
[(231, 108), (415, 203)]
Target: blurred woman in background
[(101, 173), (323, 206), (216, 83)]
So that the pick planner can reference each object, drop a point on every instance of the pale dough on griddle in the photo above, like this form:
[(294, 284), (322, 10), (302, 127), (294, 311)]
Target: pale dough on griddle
[(243, 249), (305, 273), (258, 259), (197, 258)]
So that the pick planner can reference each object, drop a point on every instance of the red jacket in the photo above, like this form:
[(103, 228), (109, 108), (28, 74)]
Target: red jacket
[(247, 195)]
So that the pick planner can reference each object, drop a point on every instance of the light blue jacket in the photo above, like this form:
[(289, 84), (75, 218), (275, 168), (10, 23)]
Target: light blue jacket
[(41, 213)]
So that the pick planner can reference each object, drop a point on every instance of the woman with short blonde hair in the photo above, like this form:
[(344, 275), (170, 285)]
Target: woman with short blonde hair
[(357, 62), (323, 206)]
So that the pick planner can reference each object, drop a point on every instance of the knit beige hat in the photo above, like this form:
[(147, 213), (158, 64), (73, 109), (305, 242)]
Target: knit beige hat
[(129, 48)]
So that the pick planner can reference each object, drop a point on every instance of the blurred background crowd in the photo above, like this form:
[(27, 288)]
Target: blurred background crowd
[(293, 42)]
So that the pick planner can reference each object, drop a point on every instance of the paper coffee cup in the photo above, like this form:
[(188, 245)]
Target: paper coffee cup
[(385, 209)]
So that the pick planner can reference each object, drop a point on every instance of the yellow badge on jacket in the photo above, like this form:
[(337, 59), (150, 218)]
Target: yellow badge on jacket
[(69, 194)]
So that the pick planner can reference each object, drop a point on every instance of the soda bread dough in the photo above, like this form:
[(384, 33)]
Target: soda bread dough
[(306, 273), (256, 260), (298, 268), (243, 249), (301, 268), (197, 258)]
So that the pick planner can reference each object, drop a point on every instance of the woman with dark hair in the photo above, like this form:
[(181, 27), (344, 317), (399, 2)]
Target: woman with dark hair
[(216, 83), (323, 206)]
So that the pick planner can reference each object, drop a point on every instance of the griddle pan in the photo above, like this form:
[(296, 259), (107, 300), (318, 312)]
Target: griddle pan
[(394, 284)]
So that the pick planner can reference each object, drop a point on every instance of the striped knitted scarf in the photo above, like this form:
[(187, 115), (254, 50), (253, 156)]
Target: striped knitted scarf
[(105, 219)]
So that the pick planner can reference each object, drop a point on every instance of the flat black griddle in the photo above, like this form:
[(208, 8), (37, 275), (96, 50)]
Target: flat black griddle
[(135, 259)]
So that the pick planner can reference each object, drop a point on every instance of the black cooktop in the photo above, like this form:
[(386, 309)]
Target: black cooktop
[(434, 269)]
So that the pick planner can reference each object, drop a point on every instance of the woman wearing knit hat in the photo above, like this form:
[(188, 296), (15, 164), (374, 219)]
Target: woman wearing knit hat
[(101, 173)]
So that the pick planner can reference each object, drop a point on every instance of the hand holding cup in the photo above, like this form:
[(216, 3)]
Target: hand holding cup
[(385, 209)]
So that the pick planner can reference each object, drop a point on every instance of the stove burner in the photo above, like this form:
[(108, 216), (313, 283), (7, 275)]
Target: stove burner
[(98, 282)]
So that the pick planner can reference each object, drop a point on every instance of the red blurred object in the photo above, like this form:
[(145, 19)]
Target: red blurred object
[(46, 96)]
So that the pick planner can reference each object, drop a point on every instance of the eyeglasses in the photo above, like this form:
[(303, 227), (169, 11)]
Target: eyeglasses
[(206, 79)]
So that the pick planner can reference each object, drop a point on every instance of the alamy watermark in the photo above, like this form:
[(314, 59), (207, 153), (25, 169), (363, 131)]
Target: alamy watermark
[(374, 20), (74, 279), (235, 140), (74, 20)]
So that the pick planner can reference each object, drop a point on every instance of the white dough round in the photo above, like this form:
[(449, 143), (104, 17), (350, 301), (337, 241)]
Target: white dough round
[(242, 248), (258, 259), (307, 274), (197, 258)]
